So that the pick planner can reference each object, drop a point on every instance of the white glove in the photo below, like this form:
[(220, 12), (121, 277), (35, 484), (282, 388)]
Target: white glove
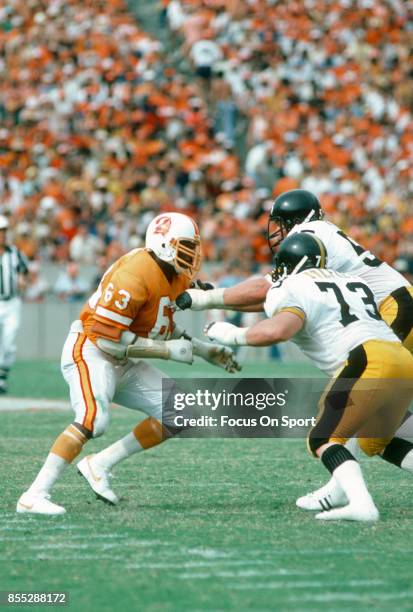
[(180, 350), (226, 333), (217, 354), (197, 299)]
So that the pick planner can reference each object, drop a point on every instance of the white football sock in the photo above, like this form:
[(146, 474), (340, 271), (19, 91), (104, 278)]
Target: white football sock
[(405, 430), (349, 476), (333, 485), (49, 473), (120, 450), (407, 463)]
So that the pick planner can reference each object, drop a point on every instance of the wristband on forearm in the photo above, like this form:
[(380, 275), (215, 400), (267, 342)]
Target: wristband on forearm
[(240, 336), (198, 346), (215, 297)]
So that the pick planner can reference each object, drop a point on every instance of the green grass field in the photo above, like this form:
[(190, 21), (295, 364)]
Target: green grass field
[(203, 524)]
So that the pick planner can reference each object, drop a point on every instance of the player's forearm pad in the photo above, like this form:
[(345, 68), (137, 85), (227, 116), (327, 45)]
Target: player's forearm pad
[(144, 347), (177, 350), (201, 349)]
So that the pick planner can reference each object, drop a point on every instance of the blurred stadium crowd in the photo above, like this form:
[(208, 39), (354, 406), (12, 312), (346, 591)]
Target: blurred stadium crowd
[(100, 129)]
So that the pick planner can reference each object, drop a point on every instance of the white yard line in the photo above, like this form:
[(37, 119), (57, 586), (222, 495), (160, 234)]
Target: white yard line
[(18, 404), (15, 404)]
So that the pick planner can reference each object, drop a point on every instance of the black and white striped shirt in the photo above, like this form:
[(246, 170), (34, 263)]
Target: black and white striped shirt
[(12, 264)]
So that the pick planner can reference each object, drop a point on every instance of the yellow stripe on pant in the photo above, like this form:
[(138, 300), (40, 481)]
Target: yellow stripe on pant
[(368, 398), (85, 383), (397, 311)]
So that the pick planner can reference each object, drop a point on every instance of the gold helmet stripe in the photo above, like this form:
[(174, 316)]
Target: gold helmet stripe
[(323, 252)]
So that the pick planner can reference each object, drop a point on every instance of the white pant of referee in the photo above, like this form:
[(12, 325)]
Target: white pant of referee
[(10, 314)]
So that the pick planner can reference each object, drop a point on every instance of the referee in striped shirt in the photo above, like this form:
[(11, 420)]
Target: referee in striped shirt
[(13, 270)]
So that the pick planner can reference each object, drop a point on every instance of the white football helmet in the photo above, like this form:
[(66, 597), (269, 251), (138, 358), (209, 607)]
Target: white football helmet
[(174, 238)]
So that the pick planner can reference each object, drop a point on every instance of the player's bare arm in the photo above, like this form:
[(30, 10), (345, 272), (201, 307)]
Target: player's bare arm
[(247, 296), (279, 328)]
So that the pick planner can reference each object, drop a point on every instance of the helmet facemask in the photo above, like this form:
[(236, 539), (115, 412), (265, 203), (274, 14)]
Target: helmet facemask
[(284, 269), (279, 228), (187, 260), (276, 233), (279, 272)]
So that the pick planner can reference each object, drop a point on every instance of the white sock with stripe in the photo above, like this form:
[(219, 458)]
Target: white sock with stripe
[(347, 472), (333, 487), (120, 450)]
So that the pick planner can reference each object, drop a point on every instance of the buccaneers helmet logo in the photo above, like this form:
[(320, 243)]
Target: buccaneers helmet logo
[(162, 225)]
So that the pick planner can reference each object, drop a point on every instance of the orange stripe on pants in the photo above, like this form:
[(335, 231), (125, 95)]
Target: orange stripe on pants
[(85, 383)]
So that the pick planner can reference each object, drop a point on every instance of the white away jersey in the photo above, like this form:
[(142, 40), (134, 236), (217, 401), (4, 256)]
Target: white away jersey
[(346, 255), (340, 313)]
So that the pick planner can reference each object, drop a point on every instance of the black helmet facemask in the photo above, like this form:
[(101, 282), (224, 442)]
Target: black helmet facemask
[(278, 228), (276, 233), (282, 270)]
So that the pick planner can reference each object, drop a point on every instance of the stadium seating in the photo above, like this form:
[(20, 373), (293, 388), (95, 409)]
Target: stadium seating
[(100, 130)]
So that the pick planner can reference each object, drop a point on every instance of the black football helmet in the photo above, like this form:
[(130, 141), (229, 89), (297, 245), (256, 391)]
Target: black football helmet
[(290, 208), (297, 253)]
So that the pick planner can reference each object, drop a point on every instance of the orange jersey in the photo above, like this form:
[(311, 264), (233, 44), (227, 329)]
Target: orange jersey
[(134, 294)]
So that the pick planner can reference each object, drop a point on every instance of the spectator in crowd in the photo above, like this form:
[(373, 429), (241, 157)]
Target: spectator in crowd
[(326, 109), (70, 286), (37, 287), (226, 112), (84, 246), (205, 54)]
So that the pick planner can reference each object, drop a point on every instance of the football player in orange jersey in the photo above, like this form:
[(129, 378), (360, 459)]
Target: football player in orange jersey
[(128, 318)]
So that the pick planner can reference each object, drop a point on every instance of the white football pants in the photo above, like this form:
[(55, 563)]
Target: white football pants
[(96, 379), (10, 316)]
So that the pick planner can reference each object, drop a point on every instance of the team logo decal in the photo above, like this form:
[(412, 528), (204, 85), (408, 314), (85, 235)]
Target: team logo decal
[(162, 225)]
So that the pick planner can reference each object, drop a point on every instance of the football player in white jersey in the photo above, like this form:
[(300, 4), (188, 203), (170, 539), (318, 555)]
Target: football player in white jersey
[(296, 211), (299, 210), (314, 307)]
